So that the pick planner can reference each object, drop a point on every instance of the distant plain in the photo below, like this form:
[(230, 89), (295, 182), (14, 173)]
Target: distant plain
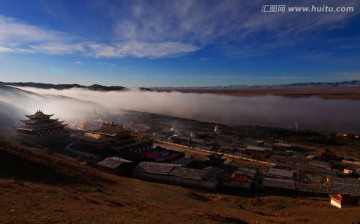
[(326, 93)]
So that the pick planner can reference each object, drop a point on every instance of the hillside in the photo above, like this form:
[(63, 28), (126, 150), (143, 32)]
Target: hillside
[(36, 187)]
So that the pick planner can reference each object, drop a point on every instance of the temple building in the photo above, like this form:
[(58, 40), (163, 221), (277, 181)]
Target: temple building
[(41, 129), (113, 136)]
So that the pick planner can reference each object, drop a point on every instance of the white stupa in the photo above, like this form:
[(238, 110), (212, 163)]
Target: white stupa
[(217, 130), (192, 135)]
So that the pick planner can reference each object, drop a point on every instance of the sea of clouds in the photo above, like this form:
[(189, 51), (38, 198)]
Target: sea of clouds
[(269, 110)]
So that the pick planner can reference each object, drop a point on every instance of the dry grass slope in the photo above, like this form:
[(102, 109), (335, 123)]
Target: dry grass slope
[(39, 188)]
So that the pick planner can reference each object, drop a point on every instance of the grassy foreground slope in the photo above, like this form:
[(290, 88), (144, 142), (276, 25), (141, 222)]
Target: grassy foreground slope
[(39, 188)]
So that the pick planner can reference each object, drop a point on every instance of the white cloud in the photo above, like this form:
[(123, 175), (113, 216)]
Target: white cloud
[(5, 50), (57, 48), (16, 37), (169, 28), (227, 22), (139, 49), (78, 63), (14, 50)]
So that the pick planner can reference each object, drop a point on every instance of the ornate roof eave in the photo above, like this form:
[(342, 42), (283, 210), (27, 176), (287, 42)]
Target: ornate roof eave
[(60, 125), (38, 114), (25, 128), (107, 134), (44, 116)]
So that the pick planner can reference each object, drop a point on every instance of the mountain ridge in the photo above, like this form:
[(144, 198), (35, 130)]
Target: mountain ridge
[(94, 87), (353, 83), (97, 87)]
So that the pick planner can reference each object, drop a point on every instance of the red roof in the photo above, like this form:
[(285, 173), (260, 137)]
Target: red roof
[(337, 197), (240, 178), (156, 155), (328, 153)]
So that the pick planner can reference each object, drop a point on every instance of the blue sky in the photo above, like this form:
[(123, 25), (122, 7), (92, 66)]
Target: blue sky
[(176, 43)]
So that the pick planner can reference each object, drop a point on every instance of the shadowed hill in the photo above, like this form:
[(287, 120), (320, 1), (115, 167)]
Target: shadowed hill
[(17, 168), (21, 163), (46, 188), (95, 87), (36, 187)]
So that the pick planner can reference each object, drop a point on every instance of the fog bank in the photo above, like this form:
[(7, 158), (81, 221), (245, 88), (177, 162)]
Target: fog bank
[(15, 103), (307, 113)]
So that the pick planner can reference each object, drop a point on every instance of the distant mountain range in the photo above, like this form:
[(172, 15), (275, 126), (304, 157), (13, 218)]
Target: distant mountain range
[(96, 87), (354, 83)]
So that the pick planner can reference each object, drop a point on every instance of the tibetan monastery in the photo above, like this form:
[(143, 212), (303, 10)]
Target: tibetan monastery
[(41, 129), (114, 136)]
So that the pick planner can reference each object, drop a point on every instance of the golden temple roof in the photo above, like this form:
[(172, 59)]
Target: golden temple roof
[(39, 114), (93, 137), (111, 129), (26, 128)]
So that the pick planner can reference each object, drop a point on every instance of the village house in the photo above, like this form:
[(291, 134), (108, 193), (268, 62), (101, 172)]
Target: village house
[(116, 165), (278, 183), (184, 162), (328, 155), (342, 201), (320, 164), (280, 173), (207, 178), (242, 178), (281, 146), (258, 152)]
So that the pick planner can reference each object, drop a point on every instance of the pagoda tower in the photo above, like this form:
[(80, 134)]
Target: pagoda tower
[(40, 129), (92, 122)]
